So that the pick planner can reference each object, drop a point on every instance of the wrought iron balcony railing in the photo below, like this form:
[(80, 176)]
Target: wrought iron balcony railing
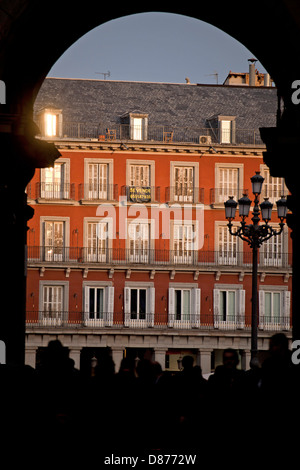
[(64, 319), (156, 257)]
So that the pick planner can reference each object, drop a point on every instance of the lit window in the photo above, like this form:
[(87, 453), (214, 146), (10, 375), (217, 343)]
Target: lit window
[(50, 125)]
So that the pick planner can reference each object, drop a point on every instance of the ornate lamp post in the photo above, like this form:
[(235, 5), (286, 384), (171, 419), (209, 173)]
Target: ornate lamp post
[(255, 234)]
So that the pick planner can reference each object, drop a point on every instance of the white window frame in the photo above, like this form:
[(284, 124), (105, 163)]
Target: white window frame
[(273, 187), (108, 303), (190, 254), (140, 254), (195, 306), (95, 194), (50, 255), (222, 192), (239, 321), (56, 190), (98, 256), (283, 322), (50, 122), (150, 305), (230, 257), (193, 198), (57, 318)]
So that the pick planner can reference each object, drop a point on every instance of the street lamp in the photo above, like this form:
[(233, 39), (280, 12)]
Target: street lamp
[(255, 234)]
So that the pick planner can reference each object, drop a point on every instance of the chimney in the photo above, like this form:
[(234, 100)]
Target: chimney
[(252, 71), (267, 81)]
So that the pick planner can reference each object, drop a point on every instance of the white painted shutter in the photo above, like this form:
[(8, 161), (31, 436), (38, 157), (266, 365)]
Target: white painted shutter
[(286, 308), (196, 303), (241, 309), (150, 306), (110, 304), (126, 305), (216, 296), (171, 312), (261, 309)]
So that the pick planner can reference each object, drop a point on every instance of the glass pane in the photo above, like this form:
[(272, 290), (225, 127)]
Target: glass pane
[(92, 302), (133, 300), (223, 306), (142, 306), (231, 305), (177, 307), (186, 304), (276, 305), (268, 305)]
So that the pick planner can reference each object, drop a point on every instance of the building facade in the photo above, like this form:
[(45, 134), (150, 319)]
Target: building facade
[(128, 250)]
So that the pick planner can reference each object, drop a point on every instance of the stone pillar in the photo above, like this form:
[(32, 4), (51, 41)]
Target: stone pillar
[(75, 355), (160, 356), (204, 360), (30, 356), (245, 362), (117, 356)]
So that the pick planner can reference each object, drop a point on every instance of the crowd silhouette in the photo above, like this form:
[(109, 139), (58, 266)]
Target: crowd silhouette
[(140, 406)]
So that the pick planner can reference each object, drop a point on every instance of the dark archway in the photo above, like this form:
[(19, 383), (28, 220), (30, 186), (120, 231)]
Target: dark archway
[(34, 35)]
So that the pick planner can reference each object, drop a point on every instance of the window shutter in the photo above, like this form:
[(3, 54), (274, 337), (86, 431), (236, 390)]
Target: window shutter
[(261, 309), (216, 296), (86, 303), (241, 309), (286, 307), (196, 303), (171, 312), (110, 304), (127, 305), (150, 306)]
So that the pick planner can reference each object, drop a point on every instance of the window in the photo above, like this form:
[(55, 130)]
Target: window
[(139, 242), (228, 183), (97, 181), (54, 182), (183, 184), (274, 308), (225, 132), (273, 187), (227, 247), (140, 175), (54, 240), (184, 243), (98, 304), (184, 306), (229, 307), (97, 237), (271, 251), (53, 303), (50, 122), (139, 304)]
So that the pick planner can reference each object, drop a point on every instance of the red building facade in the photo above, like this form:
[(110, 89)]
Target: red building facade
[(128, 250)]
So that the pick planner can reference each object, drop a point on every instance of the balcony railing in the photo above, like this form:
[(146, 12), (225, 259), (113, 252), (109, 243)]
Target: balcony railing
[(63, 319), (92, 192), (52, 191), (163, 133), (124, 256), (183, 193)]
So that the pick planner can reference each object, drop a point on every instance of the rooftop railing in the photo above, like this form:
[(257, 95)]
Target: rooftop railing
[(160, 133)]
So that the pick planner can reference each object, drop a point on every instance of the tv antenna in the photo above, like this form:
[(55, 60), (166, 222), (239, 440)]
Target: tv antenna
[(105, 74), (215, 74)]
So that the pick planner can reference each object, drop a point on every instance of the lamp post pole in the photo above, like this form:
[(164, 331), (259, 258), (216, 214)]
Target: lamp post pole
[(255, 234)]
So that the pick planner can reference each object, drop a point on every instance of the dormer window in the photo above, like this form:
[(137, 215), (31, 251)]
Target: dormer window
[(223, 128), (50, 122), (136, 125)]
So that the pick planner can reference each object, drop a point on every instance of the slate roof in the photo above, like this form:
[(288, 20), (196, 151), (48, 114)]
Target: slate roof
[(180, 105)]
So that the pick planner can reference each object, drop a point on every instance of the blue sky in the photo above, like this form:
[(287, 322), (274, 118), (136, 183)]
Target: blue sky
[(154, 47)]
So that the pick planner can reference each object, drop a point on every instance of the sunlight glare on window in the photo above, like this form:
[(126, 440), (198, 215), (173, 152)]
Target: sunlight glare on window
[(50, 124)]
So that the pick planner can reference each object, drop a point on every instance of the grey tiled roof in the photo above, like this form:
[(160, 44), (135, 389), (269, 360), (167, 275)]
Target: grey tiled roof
[(180, 105)]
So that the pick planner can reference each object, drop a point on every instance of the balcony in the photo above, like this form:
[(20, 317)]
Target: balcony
[(154, 257), (97, 192), (161, 134), (119, 320), (175, 194), (51, 191)]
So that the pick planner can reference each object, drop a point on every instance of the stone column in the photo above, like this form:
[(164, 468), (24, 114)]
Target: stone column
[(30, 356), (204, 360), (160, 356), (245, 362)]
